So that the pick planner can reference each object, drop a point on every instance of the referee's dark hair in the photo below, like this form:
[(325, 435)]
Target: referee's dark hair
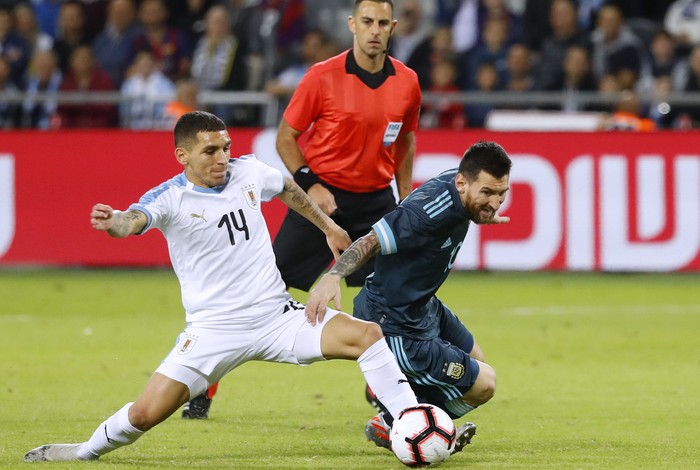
[(192, 123), (485, 156)]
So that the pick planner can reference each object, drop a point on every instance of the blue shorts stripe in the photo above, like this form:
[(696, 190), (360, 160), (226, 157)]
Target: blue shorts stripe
[(423, 378)]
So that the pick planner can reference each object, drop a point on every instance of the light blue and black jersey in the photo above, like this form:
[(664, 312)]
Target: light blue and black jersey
[(419, 242)]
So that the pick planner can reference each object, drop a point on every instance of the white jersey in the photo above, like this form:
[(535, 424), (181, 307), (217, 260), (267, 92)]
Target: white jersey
[(218, 241)]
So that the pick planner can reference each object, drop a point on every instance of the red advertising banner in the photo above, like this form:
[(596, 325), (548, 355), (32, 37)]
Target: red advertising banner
[(578, 201)]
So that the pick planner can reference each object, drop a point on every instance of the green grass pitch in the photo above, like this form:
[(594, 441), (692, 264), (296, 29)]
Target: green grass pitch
[(594, 372)]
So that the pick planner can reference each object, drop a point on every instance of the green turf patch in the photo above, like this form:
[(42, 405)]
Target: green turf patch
[(594, 372)]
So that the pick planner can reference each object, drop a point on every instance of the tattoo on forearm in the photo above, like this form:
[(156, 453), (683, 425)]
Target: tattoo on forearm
[(123, 223), (356, 256), (303, 204)]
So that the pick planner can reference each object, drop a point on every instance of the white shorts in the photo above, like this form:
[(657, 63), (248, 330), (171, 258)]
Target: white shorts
[(204, 354)]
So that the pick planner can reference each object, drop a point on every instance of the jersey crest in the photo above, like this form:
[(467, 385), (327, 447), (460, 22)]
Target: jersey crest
[(250, 197)]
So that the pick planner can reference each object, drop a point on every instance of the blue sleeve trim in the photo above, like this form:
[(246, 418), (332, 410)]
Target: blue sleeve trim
[(387, 242), (140, 208)]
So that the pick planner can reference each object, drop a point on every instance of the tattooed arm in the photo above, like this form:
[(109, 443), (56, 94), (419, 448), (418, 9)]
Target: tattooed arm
[(328, 288), (296, 199), (117, 223)]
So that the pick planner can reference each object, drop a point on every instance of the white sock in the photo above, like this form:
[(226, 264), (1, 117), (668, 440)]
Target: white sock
[(386, 380), (115, 432)]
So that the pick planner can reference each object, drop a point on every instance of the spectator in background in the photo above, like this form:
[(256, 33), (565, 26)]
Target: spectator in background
[(185, 101), (13, 48), (492, 49), (614, 45), (171, 49), (471, 18), (9, 111), (519, 76), (85, 75), (565, 34), (499, 10), (44, 77), (577, 78), (147, 91), (26, 26), (431, 51), (219, 64), (487, 83), (409, 32), (688, 113), (313, 50), (71, 33), (246, 23), (445, 113), (628, 115), (662, 61), (682, 21), (113, 45)]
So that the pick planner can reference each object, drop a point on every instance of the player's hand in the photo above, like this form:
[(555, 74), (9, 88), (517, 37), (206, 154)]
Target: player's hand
[(497, 219), (101, 217), (338, 240), (327, 289), (323, 198)]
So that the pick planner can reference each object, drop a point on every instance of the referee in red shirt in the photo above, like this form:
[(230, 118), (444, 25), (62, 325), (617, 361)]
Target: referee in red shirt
[(358, 112)]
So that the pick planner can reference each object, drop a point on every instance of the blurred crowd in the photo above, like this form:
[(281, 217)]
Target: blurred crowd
[(160, 55)]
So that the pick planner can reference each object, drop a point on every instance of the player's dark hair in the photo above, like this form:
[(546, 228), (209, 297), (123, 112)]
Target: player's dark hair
[(191, 124), (485, 156), (357, 4)]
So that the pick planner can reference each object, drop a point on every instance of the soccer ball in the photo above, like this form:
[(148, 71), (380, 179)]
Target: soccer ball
[(423, 435)]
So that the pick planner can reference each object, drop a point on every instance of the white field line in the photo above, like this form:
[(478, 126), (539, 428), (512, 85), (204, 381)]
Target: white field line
[(599, 309), (16, 318)]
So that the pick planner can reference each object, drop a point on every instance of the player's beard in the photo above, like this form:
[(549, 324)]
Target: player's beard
[(478, 217)]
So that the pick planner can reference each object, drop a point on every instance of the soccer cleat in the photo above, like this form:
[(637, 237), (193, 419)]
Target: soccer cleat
[(377, 431), (55, 453), (464, 436), (197, 408)]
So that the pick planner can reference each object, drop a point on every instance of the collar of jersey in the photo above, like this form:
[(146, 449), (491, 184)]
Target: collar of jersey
[(372, 80), (214, 190)]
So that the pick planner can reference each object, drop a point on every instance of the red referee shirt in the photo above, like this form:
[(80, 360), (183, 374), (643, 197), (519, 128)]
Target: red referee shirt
[(352, 142)]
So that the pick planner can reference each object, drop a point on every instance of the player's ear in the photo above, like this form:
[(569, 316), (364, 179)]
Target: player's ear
[(461, 182), (181, 155), (351, 24)]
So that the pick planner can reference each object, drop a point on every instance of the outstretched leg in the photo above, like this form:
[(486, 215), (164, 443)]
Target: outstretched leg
[(161, 398)]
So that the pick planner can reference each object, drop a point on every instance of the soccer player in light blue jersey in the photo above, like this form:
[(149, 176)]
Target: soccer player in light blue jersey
[(415, 247)]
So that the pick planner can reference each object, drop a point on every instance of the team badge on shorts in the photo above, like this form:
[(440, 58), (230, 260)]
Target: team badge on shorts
[(250, 197), (455, 370), (186, 344)]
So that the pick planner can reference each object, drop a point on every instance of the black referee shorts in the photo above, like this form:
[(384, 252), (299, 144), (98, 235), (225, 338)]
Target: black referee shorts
[(301, 249)]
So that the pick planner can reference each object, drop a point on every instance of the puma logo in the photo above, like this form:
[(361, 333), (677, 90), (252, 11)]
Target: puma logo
[(197, 216)]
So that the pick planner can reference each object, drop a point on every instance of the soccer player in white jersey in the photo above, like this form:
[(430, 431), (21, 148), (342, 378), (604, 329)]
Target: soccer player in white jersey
[(237, 308)]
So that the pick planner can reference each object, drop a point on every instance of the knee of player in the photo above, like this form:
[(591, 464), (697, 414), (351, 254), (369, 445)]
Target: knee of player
[(487, 383), (142, 418), (372, 333)]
